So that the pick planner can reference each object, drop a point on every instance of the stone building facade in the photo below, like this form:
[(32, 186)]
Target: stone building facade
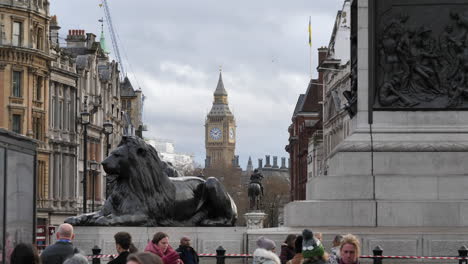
[(306, 121), (57, 193), (335, 69), (25, 75), (98, 91), (132, 105)]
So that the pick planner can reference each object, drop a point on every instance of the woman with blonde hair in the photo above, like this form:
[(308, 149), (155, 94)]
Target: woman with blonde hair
[(350, 250)]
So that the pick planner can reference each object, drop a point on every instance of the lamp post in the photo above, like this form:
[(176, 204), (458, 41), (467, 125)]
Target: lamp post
[(94, 166), (84, 123), (108, 129)]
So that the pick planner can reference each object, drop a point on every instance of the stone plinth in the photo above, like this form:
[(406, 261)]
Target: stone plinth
[(410, 171), (255, 219), (204, 239), (440, 241)]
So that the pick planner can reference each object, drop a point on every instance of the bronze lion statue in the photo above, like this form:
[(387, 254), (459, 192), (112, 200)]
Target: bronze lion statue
[(141, 193)]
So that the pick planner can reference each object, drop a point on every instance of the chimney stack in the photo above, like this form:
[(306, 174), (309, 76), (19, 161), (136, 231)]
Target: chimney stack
[(275, 162), (283, 163), (267, 162), (76, 38)]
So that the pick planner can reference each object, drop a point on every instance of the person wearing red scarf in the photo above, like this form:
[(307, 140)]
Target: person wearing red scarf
[(160, 246)]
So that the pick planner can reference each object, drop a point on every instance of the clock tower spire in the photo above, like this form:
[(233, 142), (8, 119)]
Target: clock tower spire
[(220, 130)]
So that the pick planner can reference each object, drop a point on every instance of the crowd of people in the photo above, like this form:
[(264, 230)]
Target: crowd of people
[(306, 248)]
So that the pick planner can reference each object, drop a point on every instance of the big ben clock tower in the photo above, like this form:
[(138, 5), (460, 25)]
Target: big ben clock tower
[(220, 131)]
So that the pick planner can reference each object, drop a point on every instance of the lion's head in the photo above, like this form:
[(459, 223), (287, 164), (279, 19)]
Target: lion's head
[(136, 165)]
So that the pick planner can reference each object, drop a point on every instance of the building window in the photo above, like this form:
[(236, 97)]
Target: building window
[(16, 124), (68, 117), (39, 39), (16, 38), (38, 128), (93, 188), (39, 88), (60, 117), (42, 180), (52, 113), (16, 83)]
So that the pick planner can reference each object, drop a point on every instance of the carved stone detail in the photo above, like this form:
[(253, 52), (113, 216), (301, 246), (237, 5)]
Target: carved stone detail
[(421, 63), (401, 147), (254, 220)]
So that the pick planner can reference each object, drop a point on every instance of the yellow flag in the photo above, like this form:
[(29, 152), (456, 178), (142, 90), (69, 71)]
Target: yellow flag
[(310, 34)]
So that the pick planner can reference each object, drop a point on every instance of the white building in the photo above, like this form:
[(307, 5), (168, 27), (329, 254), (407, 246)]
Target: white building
[(181, 161)]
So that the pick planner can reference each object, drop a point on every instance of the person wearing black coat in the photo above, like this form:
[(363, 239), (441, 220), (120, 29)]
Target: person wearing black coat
[(123, 241), (287, 249), (62, 249), (187, 254)]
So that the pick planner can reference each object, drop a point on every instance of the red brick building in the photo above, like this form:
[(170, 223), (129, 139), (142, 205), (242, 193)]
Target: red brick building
[(306, 119)]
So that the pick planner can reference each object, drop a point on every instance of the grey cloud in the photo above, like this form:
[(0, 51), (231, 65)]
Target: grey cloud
[(262, 45)]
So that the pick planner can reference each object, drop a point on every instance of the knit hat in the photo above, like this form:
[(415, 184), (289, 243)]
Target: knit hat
[(266, 243), (311, 247)]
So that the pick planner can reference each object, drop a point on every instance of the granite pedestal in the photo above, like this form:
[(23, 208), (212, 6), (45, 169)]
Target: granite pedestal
[(403, 185)]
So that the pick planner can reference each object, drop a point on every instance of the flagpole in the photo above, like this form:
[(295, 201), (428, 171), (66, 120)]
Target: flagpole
[(310, 59), (310, 48)]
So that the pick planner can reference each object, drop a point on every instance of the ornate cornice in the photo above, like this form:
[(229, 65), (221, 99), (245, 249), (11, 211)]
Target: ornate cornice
[(401, 146)]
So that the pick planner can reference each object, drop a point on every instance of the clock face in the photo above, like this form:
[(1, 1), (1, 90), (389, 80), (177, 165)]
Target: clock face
[(231, 133), (215, 133)]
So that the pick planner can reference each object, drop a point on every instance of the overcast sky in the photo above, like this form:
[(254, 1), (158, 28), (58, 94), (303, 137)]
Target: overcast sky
[(173, 49)]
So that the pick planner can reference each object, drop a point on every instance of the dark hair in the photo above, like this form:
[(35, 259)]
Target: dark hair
[(158, 236), (124, 239), (145, 258), (290, 240), (24, 254), (338, 239), (298, 244), (132, 248)]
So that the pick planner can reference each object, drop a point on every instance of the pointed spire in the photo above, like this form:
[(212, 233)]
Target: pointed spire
[(102, 40), (220, 87), (249, 166), (220, 103)]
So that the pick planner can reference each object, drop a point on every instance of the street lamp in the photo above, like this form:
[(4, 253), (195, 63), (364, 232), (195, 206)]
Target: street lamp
[(108, 129), (85, 122), (94, 166)]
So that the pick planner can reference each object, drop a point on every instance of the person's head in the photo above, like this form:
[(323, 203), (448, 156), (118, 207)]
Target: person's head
[(290, 240), (161, 240), (77, 259), (24, 254), (337, 240), (65, 231), (144, 258), (311, 246), (318, 235), (185, 241), (298, 244), (123, 240), (266, 243), (350, 249)]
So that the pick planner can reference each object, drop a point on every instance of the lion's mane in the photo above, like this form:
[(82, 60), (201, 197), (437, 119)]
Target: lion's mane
[(143, 184)]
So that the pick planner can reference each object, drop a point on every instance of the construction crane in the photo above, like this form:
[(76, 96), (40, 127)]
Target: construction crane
[(113, 35)]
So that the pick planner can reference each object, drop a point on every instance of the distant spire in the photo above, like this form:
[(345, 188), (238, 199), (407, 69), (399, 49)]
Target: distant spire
[(220, 87), (102, 40), (220, 103), (249, 165)]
